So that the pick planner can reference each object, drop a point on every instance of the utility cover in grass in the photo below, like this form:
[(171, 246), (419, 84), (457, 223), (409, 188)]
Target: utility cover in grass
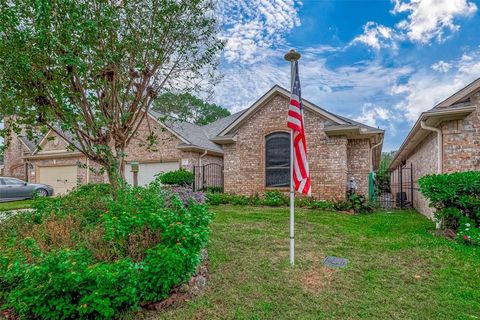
[(335, 262)]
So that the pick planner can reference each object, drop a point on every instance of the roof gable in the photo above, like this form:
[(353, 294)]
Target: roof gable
[(336, 120), (460, 96), (277, 90)]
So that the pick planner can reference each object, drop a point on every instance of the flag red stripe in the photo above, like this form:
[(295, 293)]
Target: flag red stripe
[(295, 103)]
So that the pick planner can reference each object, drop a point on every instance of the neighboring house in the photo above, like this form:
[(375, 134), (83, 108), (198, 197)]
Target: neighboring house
[(252, 145), (444, 139)]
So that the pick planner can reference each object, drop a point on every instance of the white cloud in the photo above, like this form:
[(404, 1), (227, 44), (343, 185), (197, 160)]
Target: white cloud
[(251, 26), (372, 114), (441, 66), (429, 19), (377, 36), (343, 89), (425, 89)]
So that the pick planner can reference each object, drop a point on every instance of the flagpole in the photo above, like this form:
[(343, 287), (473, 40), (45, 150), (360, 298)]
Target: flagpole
[(292, 56)]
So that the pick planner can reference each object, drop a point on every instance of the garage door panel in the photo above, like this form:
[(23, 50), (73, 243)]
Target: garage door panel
[(147, 171), (62, 178)]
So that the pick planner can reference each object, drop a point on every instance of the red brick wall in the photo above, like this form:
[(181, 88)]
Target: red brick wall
[(359, 163), (14, 165), (424, 161), (244, 160), (461, 152), (461, 143)]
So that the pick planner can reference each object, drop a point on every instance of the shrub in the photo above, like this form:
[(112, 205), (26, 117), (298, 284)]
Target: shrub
[(275, 199), (356, 202), (312, 203), (179, 177), (454, 195), (69, 259), (238, 200)]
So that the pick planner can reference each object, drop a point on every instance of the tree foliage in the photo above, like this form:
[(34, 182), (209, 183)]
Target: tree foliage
[(187, 107), (383, 172), (92, 69)]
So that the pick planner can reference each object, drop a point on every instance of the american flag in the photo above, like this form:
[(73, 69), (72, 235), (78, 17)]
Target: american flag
[(301, 173)]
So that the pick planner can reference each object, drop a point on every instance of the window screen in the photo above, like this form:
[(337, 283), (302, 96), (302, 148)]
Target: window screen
[(277, 160)]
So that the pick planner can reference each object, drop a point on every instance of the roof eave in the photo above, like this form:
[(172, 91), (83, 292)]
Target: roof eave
[(432, 118), (195, 148), (352, 131), (224, 139)]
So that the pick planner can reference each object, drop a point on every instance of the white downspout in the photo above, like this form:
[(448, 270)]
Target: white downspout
[(201, 157), (424, 126), (371, 153), (439, 144), (200, 164)]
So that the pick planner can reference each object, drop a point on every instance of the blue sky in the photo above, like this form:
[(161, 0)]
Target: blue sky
[(379, 62)]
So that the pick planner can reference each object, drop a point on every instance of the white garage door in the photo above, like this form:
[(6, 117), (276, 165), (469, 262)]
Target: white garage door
[(147, 171), (61, 178)]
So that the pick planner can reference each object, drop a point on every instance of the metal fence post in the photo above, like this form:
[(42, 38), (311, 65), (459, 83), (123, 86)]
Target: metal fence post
[(401, 186)]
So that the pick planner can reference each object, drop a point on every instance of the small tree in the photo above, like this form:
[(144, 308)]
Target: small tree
[(92, 69), (383, 172), (187, 107)]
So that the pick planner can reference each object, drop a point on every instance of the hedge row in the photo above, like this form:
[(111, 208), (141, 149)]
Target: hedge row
[(356, 203)]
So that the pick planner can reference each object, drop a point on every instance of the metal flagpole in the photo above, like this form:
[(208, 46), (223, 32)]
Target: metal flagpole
[(292, 56)]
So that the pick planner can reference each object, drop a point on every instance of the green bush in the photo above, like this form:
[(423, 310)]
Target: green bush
[(354, 202), (71, 259), (179, 177), (314, 204), (275, 199), (357, 203), (454, 195)]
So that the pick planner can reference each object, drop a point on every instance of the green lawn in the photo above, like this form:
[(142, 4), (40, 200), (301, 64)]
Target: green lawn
[(397, 269), (15, 205)]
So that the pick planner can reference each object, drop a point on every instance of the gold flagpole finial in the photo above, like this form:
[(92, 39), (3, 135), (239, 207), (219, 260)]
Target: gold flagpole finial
[(292, 55)]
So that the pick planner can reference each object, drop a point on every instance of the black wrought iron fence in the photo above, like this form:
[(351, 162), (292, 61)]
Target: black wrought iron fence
[(208, 177), (400, 192)]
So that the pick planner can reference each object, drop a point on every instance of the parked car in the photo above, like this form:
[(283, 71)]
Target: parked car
[(15, 189)]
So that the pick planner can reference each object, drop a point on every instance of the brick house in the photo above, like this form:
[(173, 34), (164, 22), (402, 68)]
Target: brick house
[(252, 145), (444, 139)]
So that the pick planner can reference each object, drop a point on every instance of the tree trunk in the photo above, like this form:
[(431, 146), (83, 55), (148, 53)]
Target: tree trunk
[(115, 168)]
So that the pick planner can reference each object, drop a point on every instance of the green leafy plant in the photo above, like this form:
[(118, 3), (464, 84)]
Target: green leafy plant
[(274, 199), (61, 66), (354, 202), (179, 177), (71, 259), (467, 232), (454, 195)]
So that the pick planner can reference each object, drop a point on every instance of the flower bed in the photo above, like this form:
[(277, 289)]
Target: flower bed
[(354, 202), (95, 253)]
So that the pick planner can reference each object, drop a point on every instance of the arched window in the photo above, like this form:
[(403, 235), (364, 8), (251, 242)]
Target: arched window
[(277, 159)]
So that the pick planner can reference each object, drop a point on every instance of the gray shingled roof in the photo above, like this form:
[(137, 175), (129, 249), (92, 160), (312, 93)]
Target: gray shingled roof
[(194, 134), (199, 136), (214, 128), (31, 145)]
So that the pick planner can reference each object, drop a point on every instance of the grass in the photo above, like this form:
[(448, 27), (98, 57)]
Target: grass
[(15, 205), (397, 269)]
